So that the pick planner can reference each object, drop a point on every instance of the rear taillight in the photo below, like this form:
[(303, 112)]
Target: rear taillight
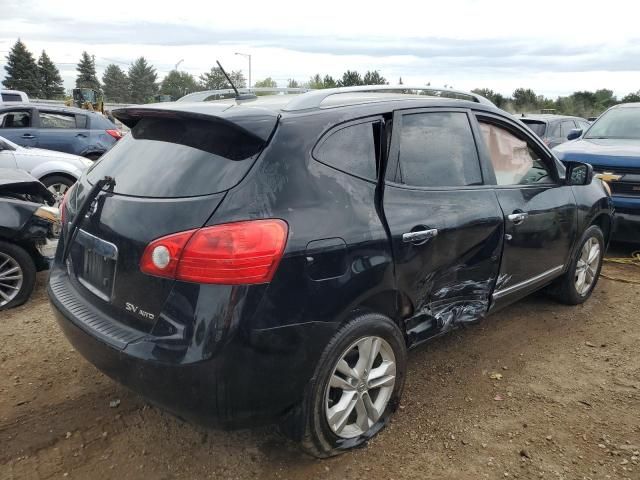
[(231, 254), (115, 134)]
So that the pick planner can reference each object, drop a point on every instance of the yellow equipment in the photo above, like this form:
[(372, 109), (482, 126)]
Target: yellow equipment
[(87, 98)]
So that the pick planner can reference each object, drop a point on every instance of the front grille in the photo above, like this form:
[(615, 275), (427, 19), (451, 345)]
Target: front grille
[(616, 170), (622, 188)]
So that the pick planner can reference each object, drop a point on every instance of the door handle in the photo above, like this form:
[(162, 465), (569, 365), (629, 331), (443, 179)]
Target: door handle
[(517, 218), (419, 237), (28, 136), (82, 135)]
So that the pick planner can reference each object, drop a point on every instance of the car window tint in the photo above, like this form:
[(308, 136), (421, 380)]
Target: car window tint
[(15, 119), (437, 150), (513, 160), (352, 149), (57, 120), (567, 126), (81, 121)]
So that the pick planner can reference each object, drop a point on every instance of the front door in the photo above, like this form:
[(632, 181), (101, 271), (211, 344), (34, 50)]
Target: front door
[(539, 209), (446, 226)]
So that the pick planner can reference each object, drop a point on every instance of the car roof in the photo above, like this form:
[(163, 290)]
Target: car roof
[(547, 117), (45, 106)]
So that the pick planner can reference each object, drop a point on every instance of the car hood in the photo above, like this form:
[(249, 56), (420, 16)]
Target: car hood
[(19, 182), (606, 152), (52, 154)]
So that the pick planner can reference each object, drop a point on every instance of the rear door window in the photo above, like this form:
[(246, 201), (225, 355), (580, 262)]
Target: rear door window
[(15, 119), (174, 157), (437, 149), (57, 120), (352, 149)]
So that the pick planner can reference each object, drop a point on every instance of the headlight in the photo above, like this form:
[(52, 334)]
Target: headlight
[(51, 214)]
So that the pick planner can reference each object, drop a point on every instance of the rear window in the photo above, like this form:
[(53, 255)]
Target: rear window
[(170, 157), (11, 97), (537, 127)]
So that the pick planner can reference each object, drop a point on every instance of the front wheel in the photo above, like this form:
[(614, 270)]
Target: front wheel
[(356, 387), (576, 286), (17, 275)]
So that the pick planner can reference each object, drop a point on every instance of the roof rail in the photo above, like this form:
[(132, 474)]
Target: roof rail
[(314, 99), (202, 96)]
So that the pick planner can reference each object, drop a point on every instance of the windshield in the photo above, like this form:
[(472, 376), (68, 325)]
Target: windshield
[(537, 127), (617, 123)]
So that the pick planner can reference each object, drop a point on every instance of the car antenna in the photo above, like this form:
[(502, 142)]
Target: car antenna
[(239, 96)]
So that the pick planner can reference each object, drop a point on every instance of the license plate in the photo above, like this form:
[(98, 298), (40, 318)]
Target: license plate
[(97, 270)]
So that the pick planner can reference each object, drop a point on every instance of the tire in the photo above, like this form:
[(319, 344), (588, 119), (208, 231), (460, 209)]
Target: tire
[(58, 185), (93, 156), (319, 437), (14, 257), (567, 288)]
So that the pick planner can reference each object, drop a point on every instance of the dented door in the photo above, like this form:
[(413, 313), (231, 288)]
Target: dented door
[(446, 226)]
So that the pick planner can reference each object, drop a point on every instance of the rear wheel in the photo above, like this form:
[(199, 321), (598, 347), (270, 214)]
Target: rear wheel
[(58, 185), (576, 286), (356, 387), (17, 275)]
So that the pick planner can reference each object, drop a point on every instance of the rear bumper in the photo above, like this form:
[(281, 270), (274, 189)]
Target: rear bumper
[(253, 379)]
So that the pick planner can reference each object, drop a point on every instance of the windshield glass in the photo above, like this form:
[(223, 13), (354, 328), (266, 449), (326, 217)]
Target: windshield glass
[(537, 127), (617, 123)]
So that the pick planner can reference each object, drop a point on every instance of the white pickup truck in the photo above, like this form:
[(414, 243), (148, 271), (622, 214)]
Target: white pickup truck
[(8, 96)]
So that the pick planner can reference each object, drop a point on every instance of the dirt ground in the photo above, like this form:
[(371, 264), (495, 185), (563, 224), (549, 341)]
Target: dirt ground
[(567, 405)]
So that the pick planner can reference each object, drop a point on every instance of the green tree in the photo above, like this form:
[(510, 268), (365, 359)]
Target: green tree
[(115, 84), (525, 98), (329, 82), (604, 99), (215, 79), (631, 97), (51, 85), (142, 81), (350, 78), (497, 99), (22, 70), (87, 72), (400, 81), (292, 83), (374, 78), (266, 83), (315, 82), (178, 84)]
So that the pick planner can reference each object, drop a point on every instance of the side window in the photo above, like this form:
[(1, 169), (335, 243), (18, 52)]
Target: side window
[(352, 149), (582, 125), (81, 121), (15, 119), (513, 160), (567, 126), (57, 120), (438, 150), (554, 130)]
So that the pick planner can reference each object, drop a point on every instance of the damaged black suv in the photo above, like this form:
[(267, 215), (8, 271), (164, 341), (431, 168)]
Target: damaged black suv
[(273, 259)]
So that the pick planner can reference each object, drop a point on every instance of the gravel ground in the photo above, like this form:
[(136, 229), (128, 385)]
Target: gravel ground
[(539, 390)]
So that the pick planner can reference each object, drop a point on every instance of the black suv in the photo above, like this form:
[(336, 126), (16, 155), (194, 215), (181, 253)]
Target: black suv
[(274, 259)]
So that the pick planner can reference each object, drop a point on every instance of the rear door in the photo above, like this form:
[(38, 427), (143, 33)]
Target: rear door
[(18, 125), (539, 209), (445, 224), (59, 131)]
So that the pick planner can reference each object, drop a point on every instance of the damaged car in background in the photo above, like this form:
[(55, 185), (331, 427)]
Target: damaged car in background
[(29, 228), (273, 259)]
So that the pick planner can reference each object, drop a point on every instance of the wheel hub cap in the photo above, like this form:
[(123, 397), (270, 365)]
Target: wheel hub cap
[(360, 387), (587, 266), (11, 278)]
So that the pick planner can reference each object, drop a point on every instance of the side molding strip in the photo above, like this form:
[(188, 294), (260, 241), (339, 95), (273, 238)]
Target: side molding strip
[(529, 282)]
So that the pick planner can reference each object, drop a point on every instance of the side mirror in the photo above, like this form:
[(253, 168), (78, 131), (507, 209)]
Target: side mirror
[(575, 133), (579, 173)]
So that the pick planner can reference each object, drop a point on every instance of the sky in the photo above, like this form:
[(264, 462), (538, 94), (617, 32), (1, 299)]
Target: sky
[(553, 47)]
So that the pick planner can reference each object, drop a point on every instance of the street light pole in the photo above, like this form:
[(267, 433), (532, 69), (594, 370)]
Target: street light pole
[(178, 64), (249, 57)]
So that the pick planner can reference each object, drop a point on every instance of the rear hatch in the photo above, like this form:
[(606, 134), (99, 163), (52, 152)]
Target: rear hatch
[(171, 173)]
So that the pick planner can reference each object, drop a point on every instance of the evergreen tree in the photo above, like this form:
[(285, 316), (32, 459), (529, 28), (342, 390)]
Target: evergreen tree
[(51, 85), (178, 84), (329, 82), (22, 70), (87, 72), (115, 84), (266, 83), (350, 78), (374, 78), (142, 80)]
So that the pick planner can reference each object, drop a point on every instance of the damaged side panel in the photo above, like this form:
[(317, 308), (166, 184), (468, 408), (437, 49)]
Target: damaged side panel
[(447, 280)]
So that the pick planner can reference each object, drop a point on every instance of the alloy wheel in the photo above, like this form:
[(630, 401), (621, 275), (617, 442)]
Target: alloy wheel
[(11, 277), (58, 190), (360, 387), (587, 266)]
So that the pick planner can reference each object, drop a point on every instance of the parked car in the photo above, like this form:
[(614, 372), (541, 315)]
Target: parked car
[(612, 145), (11, 96), (274, 259), (56, 170), (553, 129), (28, 234), (64, 129)]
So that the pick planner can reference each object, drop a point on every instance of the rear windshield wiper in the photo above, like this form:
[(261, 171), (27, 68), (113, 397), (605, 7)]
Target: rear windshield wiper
[(108, 182)]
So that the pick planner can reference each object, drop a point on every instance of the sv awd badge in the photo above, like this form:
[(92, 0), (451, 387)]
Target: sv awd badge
[(130, 307)]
